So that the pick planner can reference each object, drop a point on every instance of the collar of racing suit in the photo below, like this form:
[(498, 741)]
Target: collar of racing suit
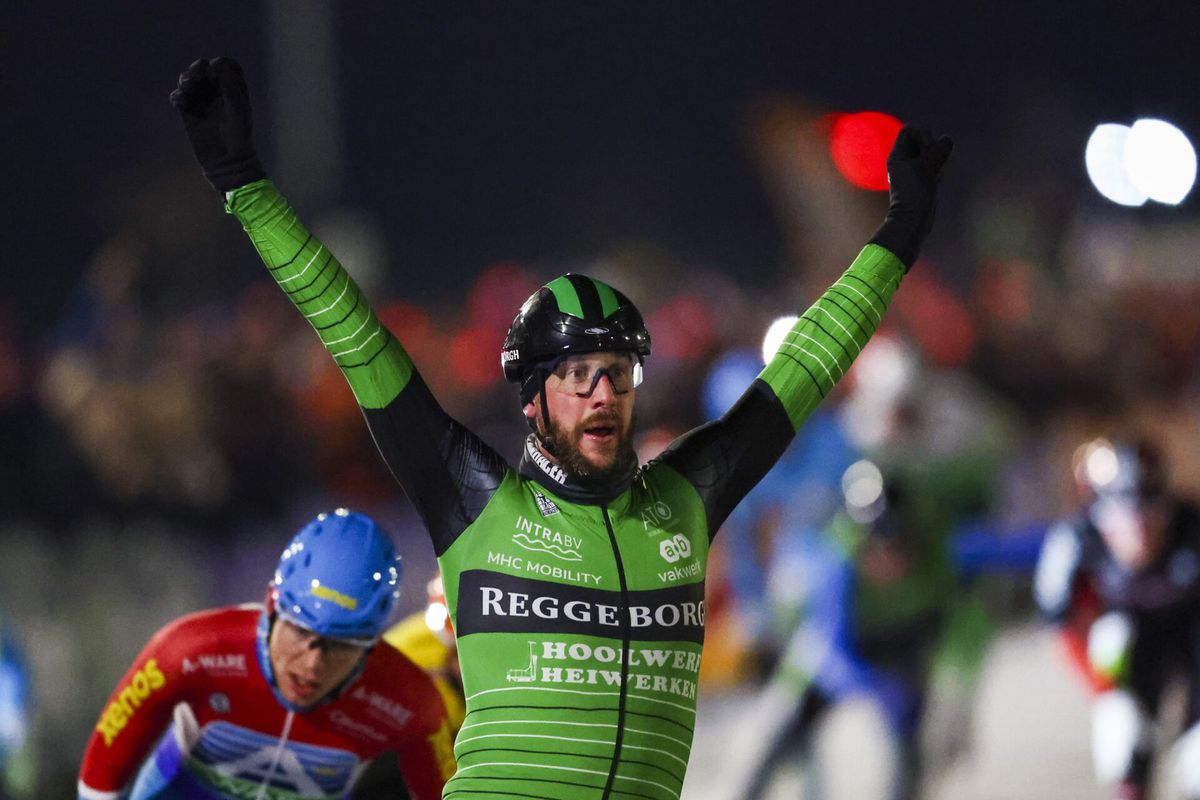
[(536, 466)]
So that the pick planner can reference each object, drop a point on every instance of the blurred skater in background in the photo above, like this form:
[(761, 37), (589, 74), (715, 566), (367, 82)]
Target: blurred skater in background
[(1123, 575), (17, 763), (881, 614)]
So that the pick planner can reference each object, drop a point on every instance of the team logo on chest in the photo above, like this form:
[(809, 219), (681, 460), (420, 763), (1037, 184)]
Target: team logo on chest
[(382, 706), (538, 538), (220, 664), (240, 762), (676, 550), (655, 515)]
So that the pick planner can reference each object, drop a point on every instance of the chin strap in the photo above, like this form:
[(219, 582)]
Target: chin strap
[(535, 384), (545, 409)]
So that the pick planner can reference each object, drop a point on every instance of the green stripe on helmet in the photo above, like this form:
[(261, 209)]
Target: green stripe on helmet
[(566, 296), (608, 298)]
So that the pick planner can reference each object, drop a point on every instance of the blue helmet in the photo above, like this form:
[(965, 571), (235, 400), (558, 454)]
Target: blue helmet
[(338, 577)]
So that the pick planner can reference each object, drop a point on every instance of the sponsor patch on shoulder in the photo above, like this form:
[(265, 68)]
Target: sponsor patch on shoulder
[(545, 504)]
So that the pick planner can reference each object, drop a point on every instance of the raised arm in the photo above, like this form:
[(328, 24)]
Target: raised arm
[(726, 458), (446, 471)]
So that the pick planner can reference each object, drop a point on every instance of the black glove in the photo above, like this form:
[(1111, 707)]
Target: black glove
[(215, 106), (914, 170)]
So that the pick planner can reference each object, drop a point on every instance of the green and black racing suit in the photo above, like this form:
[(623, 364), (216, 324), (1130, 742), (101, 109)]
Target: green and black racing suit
[(579, 613)]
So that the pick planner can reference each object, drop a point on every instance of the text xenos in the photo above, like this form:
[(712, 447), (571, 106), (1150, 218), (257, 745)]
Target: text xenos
[(114, 719)]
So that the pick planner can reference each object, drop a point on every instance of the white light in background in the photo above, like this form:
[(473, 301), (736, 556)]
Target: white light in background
[(1160, 160), (1150, 160), (1105, 160), (862, 486), (773, 338), (436, 615)]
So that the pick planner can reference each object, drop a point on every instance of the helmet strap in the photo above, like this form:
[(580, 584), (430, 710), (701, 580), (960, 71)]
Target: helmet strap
[(535, 386), (532, 381)]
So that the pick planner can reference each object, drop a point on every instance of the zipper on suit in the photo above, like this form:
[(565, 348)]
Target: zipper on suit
[(625, 643)]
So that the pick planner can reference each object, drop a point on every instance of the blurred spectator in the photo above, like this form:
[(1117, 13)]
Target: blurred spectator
[(18, 768), (880, 614), (801, 491), (173, 416), (1122, 577)]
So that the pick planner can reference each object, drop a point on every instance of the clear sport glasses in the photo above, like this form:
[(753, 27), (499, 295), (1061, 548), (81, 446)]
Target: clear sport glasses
[(580, 377)]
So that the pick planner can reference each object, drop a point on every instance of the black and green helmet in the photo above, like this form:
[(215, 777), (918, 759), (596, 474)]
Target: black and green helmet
[(571, 314)]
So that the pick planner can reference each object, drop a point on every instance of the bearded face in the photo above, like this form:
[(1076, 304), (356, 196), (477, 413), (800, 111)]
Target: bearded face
[(589, 400), (594, 450)]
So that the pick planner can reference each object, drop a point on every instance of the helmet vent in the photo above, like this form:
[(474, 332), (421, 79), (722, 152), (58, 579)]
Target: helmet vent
[(332, 577)]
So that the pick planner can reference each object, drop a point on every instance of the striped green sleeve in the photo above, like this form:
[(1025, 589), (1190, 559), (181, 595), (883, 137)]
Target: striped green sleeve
[(820, 347), (374, 363)]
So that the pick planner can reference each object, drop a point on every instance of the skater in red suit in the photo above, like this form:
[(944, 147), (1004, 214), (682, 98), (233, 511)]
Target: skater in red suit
[(288, 700)]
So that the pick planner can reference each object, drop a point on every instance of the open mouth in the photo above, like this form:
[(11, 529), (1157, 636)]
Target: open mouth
[(600, 433), (302, 688)]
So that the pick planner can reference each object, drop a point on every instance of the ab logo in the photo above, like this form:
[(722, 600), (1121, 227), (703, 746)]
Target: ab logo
[(675, 548)]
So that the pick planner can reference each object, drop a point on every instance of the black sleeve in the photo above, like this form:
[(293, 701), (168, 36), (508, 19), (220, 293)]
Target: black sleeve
[(726, 458), (447, 471), (381, 780)]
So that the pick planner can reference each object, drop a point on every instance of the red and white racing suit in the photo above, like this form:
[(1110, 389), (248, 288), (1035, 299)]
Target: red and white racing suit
[(196, 717)]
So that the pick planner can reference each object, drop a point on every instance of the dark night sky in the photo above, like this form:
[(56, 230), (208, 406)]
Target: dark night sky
[(481, 131)]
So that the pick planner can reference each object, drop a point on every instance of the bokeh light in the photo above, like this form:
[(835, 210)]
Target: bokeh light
[(1101, 463), (1105, 161), (859, 145), (1160, 160), (774, 336), (862, 486), (436, 616), (473, 357), (1150, 160)]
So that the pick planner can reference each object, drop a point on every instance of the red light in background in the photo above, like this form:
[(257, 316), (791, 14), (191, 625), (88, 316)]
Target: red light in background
[(406, 321), (936, 318), (1006, 290), (859, 145), (682, 328), (474, 357), (497, 294)]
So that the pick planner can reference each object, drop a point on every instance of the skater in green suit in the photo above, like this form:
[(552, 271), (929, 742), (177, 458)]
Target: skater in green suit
[(575, 579)]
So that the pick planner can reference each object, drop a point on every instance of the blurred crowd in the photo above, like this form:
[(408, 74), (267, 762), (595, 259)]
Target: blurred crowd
[(176, 417)]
